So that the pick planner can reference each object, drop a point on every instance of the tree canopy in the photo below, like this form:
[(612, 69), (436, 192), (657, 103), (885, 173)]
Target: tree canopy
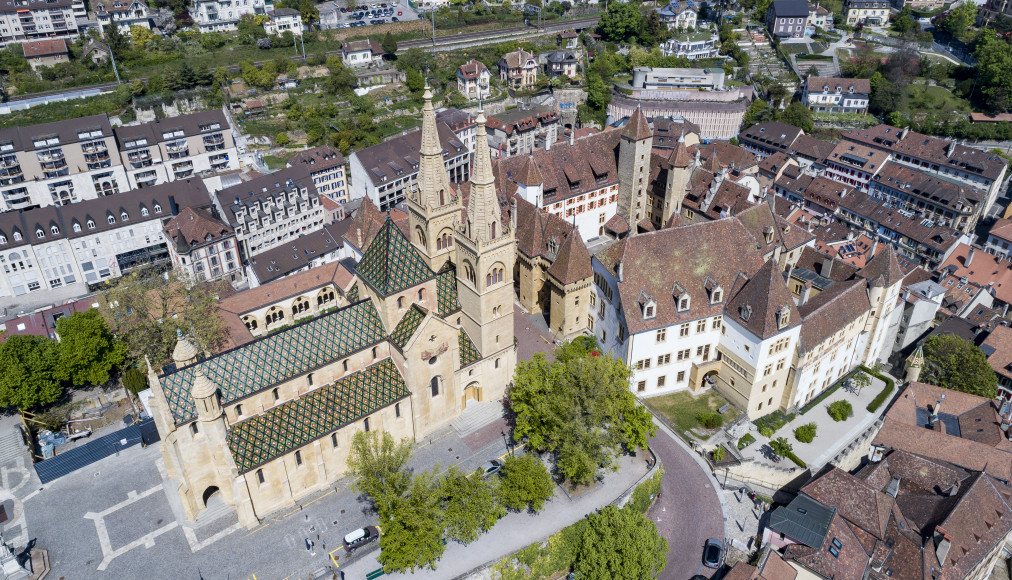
[(412, 536), (379, 465), (469, 505), (621, 23), (29, 372), (525, 483), (994, 72), (88, 351), (956, 363), (579, 408), (618, 544)]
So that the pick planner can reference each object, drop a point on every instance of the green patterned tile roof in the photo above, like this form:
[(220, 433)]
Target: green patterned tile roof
[(446, 290), (390, 263), (277, 357), (468, 352), (271, 434), (407, 326), (353, 294)]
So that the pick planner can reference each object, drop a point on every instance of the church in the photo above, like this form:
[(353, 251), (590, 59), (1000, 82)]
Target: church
[(425, 330)]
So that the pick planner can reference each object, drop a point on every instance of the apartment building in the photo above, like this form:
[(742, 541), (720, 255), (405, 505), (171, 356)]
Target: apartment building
[(198, 144), (73, 246), (999, 239), (202, 248), (679, 15), (836, 95), (326, 167), (975, 167), (284, 20), (22, 20), (221, 15), (692, 45), (271, 210), (123, 14), (765, 139), (473, 80), (521, 133), (44, 53), (787, 18), (943, 201), (855, 164), (873, 12), (667, 79), (59, 163)]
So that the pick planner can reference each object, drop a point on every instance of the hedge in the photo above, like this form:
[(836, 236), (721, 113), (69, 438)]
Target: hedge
[(746, 440), (882, 396), (769, 424)]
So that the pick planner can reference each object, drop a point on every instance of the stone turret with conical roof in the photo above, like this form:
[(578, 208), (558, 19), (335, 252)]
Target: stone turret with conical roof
[(914, 364), (204, 393), (433, 206), (185, 353)]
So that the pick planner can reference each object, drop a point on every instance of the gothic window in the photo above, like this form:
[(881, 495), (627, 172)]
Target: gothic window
[(250, 322), (400, 302), (421, 236), (469, 273), (442, 197), (494, 276), (434, 386), (301, 305)]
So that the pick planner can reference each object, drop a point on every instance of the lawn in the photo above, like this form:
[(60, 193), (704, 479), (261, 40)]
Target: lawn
[(681, 409), (939, 100)]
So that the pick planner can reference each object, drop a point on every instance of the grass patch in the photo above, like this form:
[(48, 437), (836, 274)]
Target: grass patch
[(923, 99), (806, 433), (746, 440), (681, 409), (802, 58), (884, 394), (274, 162), (644, 494), (841, 410), (769, 424)]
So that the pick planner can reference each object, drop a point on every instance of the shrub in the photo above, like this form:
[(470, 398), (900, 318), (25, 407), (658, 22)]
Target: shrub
[(645, 493), (766, 431), (806, 433), (134, 380), (768, 424), (841, 410), (782, 447), (282, 139), (746, 440), (710, 420), (718, 454), (883, 395)]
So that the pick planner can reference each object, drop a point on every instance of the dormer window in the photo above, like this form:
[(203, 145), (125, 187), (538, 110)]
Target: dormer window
[(91, 225), (716, 294), (3, 239), (110, 219), (746, 313), (123, 216), (77, 227), (144, 211), (158, 208), (17, 236), (783, 317), (648, 312), (54, 230), (39, 233), (683, 303)]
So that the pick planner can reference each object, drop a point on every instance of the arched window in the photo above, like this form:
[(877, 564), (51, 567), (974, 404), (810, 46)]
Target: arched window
[(238, 410), (442, 197), (193, 428), (275, 394), (3, 239), (344, 364), (492, 226), (469, 273), (400, 302), (434, 386), (420, 235), (260, 476), (421, 294), (374, 353)]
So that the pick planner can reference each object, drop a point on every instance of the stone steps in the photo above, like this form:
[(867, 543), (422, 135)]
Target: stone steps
[(476, 416), (217, 509), (11, 446)]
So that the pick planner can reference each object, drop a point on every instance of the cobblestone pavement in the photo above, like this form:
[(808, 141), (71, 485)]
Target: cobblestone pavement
[(743, 517)]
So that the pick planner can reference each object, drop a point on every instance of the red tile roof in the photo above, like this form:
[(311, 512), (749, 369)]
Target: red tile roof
[(984, 270), (47, 47)]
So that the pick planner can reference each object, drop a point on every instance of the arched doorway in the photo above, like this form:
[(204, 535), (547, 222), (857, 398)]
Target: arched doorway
[(211, 495), (472, 394), (709, 380)]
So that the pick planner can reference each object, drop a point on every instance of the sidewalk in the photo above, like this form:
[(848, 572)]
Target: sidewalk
[(516, 531)]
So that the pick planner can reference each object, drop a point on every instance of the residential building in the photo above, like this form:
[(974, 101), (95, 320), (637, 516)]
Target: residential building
[(819, 17), (766, 139), (702, 43), (123, 14), (386, 172), (72, 247), (96, 51), (362, 53), (984, 270), (943, 201), (283, 20), (326, 167), (59, 163), (561, 62), (718, 114), (47, 52), (992, 8), (223, 15), (411, 350), (925, 5), (820, 196), (202, 248), (518, 69), (679, 14), (43, 322), (836, 95), (666, 79), (855, 164), (975, 167), (271, 210), (998, 348), (568, 39), (306, 252), (199, 144), (461, 123), (921, 303), (870, 12), (521, 132), (473, 80), (787, 18), (811, 153), (22, 20), (999, 239)]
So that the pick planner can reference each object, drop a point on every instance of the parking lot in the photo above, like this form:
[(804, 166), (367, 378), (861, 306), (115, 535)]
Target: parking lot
[(368, 13)]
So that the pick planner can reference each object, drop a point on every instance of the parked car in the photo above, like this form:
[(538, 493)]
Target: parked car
[(490, 468), (713, 553), (393, 19), (360, 537), (399, 13)]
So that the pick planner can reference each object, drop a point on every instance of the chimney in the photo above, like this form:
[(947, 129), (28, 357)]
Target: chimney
[(173, 208), (806, 292), (969, 256), (904, 132), (513, 214), (620, 277), (548, 144), (954, 489), (827, 267), (572, 136)]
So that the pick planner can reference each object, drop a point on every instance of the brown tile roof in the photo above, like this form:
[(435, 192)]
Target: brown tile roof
[(835, 270), (318, 158), (516, 59), (831, 310), (46, 47), (537, 230), (299, 253), (618, 225), (851, 562), (472, 68), (985, 270), (529, 173), (853, 499), (1002, 228), (816, 84), (729, 155), (774, 135), (756, 303), (693, 257), (820, 191), (926, 186), (637, 128), (667, 132), (194, 227), (774, 162), (857, 156), (999, 342), (775, 568), (883, 270), (811, 148), (367, 44), (572, 264), (940, 151)]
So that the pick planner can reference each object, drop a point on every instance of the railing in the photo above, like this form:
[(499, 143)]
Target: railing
[(50, 156)]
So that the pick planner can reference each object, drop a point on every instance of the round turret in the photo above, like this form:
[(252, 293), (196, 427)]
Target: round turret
[(185, 352)]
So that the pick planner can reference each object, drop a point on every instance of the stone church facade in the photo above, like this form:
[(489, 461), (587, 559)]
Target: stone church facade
[(426, 332)]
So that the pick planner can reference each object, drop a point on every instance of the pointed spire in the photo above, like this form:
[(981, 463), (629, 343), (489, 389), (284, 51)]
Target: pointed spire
[(433, 182), (680, 156), (637, 129), (484, 216)]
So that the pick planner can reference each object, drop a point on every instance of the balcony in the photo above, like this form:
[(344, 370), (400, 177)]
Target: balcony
[(95, 148), (138, 156), (176, 146), (214, 139), (96, 157), (11, 161), (54, 165), (50, 156)]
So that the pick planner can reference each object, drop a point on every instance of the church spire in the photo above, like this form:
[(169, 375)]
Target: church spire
[(484, 216), (433, 182)]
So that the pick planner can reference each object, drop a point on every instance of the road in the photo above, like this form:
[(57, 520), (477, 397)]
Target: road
[(688, 512)]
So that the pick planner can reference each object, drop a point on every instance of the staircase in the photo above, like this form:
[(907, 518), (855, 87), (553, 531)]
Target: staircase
[(476, 416), (216, 508), (11, 445)]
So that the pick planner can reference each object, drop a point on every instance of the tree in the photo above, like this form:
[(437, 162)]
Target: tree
[(652, 30), (379, 465), (621, 23), (88, 350), (341, 80), (782, 447), (798, 115), (959, 20), (618, 544), (412, 535), (140, 36), (468, 504), (389, 44), (862, 65), (525, 484), (28, 372), (212, 40), (994, 68), (134, 380), (754, 113), (956, 363), (904, 21), (579, 408)]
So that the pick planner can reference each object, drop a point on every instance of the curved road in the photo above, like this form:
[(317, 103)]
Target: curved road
[(688, 511)]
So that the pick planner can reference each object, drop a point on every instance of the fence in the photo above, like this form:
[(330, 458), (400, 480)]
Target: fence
[(83, 456)]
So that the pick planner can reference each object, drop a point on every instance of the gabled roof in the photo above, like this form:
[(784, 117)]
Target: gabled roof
[(407, 326), (279, 430), (763, 296), (390, 263), (883, 270), (804, 520), (194, 227), (45, 47)]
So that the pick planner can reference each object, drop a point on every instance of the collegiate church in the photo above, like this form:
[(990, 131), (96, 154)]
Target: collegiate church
[(427, 330)]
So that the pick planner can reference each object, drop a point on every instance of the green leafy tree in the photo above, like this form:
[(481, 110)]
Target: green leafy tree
[(619, 544), (782, 447), (905, 22), (412, 536), (956, 363), (389, 44), (88, 350), (959, 20), (379, 465), (579, 408), (341, 80), (798, 115), (134, 380), (755, 113), (652, 30), (28, 372), (840, 410), (469, 506), (525, 483), (140, 36), (621, 23), (806, 433), (994, 68), (212, 40)]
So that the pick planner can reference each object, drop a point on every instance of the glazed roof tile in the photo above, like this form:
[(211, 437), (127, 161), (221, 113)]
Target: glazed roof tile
[(390, 263)]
